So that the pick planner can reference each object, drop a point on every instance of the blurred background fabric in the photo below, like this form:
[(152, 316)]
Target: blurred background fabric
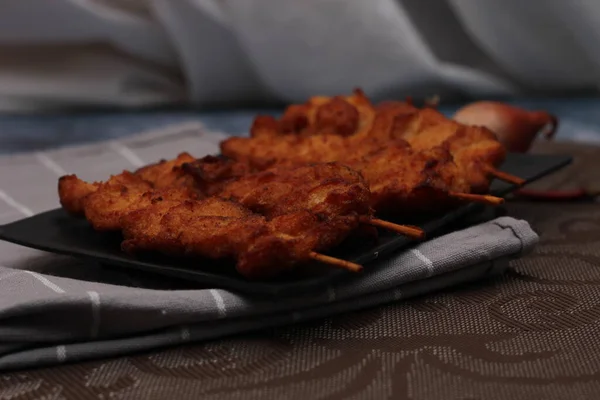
[(217, 53)]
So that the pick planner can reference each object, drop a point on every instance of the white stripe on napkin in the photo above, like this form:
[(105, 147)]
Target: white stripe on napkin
[(426, 261), (45, 281), (127, 154), (15, 204)]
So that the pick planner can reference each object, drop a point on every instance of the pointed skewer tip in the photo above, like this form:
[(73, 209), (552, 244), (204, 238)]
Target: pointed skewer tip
[(336, 262), (503, 176), (478, 198), (406, 230)]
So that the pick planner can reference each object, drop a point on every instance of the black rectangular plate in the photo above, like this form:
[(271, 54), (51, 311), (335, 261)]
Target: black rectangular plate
[(55, 231)]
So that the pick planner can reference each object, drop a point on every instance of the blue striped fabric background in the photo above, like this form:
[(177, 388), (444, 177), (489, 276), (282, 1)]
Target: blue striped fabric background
[(580, 121)]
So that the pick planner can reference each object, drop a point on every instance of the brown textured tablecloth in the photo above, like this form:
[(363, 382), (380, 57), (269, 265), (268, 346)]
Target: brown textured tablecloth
[(532, 333)]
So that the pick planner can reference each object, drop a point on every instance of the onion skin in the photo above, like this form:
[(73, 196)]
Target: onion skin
[(516, 128)]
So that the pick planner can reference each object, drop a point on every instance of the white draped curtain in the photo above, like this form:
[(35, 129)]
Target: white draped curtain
[(139, 53)]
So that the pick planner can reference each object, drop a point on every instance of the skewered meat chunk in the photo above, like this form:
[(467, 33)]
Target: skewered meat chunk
[(211, 174), (175, 227), (387, 119), (339, 115), (111, 201), (266, 152), (400, 179), (221, 229), (292, 239), (475, 150), (335, 194), (403, 181), (167, 173), (71, 192), (329, 189)]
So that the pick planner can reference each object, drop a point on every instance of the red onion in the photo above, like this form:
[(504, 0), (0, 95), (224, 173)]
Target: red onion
[(516, 128)]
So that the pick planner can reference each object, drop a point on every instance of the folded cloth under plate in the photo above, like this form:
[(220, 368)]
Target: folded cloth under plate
[(57, 309), (47, 319)]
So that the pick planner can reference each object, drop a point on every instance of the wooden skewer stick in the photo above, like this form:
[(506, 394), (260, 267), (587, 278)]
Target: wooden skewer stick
[(406, 230), (503, 176), (336, 262), (478, 198)]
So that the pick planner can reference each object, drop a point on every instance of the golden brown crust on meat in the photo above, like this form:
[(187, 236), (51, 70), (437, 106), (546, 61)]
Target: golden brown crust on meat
[(211, 173), (208, 228), (390, 118), (339, 115), (104, 208), (72, 191), (329, 189), (266, 125), (116, 198), (301, 183), (330, 133), (165, 173), (310, 208), (403, 181), (220, 229)]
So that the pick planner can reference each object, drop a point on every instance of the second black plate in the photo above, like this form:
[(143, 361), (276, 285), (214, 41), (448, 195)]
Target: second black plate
[(57, 232)]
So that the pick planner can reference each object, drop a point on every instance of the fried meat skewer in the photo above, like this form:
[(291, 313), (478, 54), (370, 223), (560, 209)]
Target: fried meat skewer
[(330, 190), (173, 221), (479, 155), (340, 115), (475, 149), (220, 229), (416, 181), (327, 189), (400, 178), (165, 174)]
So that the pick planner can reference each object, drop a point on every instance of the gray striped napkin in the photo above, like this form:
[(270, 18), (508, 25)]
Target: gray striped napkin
[(55, 309)]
